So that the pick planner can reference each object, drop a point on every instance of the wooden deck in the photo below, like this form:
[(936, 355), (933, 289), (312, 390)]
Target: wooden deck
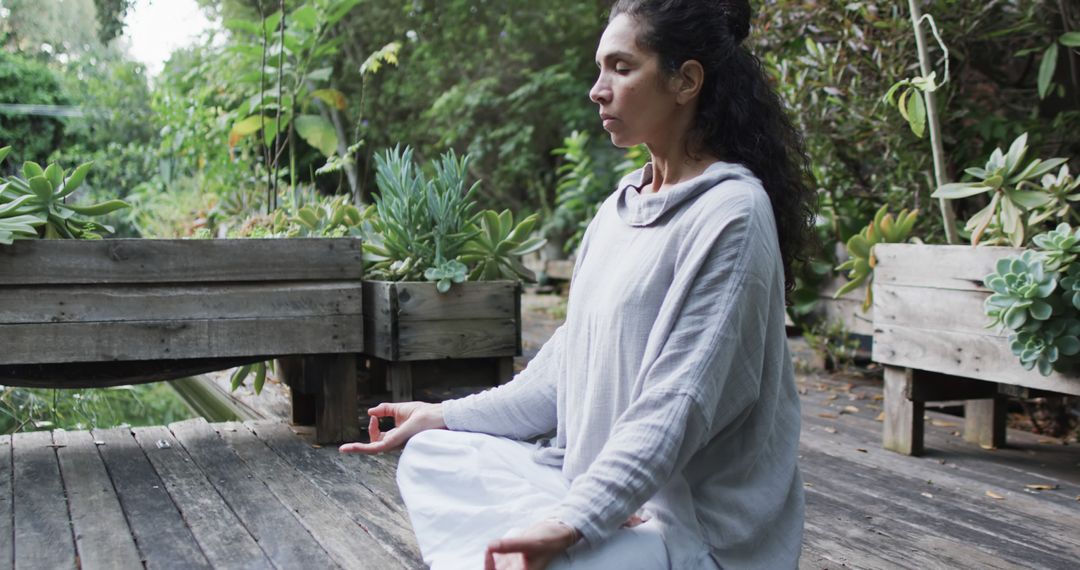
[(196, 495), (258, 495)]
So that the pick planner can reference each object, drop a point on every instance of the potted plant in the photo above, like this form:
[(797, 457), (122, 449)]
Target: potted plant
[(963, 322), (442, 281)]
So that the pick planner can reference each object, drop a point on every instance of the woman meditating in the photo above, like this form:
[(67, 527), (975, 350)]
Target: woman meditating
[(667, 398)]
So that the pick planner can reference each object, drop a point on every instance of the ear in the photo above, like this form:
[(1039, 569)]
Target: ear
[(688, 80)]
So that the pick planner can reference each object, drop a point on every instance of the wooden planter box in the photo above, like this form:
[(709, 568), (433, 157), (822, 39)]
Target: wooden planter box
[(410, 326), (930, 333), (77, 314)]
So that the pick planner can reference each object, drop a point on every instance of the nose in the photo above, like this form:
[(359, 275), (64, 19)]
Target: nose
[(600, 92)]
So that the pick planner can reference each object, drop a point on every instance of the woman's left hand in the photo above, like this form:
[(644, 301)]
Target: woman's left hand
[(533, 549)]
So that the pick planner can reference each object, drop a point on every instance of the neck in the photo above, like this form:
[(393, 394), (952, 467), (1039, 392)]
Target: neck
[(671, 162)]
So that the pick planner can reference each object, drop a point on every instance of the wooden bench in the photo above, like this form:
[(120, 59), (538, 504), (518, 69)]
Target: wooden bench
[(88, 314), (930, 334)]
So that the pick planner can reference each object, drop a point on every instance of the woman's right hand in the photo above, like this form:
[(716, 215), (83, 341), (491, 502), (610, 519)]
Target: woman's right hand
[(410, 418)]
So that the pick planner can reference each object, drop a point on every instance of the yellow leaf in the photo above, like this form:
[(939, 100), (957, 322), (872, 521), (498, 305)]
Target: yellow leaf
[(827, 416), (880, 417), (830, 429), (994, 495), (851, 409), (943, 423)]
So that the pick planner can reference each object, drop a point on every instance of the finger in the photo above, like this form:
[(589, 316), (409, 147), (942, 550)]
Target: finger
[(373, 429), (524, 545), (382, 410), (489, 560)]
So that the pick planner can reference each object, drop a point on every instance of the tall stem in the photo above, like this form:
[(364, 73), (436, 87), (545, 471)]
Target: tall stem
[(948, 217)]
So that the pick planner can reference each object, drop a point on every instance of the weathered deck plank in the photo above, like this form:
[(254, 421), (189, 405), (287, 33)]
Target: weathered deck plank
[(347, 488), (223, 538), (102, 536), (344, 538), (7, 530), (42, 530), (286, 542), (164, 540)]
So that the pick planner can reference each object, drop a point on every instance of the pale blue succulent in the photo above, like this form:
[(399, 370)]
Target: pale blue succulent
[(1022, 287), (1042, 345), (1059, 246)]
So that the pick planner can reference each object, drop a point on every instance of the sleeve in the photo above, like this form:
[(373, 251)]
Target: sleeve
[(698, 384), (523, 408)]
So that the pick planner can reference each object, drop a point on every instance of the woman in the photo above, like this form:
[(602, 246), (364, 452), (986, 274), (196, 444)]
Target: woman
[(669, 388)]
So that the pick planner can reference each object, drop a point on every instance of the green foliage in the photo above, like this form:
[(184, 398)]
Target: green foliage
[(1005, 177), (498, 245), (25, 81), (861, 261), (35, 205), (32, 409), (110, 17), (1036, 295)]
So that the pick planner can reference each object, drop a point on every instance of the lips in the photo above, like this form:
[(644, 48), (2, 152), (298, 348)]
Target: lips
[(605, 116)]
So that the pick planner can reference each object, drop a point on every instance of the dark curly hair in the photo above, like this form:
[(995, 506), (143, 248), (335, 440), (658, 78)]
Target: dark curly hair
[(740, 117)]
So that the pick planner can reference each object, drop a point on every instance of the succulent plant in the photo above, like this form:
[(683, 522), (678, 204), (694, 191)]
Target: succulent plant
[(1004, 177), (1043, 346), (1062, 190), (1022, 288), (38, 202), (1058, 246), (498, 245), (1070, 286), (861, 261)]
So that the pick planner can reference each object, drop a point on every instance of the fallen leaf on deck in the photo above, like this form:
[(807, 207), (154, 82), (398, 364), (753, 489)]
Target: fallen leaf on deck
[(878, 397), (880, 417), (831, 397), (811, 485), (851, 409), (994, 495), (988, 447), (1040, 487), (956, 433), (827, 416), (927, 495), (943, 423), (316, 446), (1048, 441), (861, 450), (830, 429)]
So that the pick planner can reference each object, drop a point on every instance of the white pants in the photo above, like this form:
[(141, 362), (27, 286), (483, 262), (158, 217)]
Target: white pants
[(464, 490)]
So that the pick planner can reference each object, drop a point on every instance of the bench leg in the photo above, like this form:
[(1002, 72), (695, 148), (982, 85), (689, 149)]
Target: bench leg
[(902, 431), (399, 375), (336, 416), (504, 369), (290, 370), (984, 421)]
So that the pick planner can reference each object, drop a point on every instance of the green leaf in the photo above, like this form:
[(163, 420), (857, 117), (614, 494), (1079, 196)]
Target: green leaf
[(1070, 39), (99, 209), (305, 16), (76, 179), (4, 152), (1046, 70), (55, 175), (31, 169), (318, 132), (245, 127), (321, 74), (916, 114), (331, 97), (1014, 157), (959, 190), (42, 189)]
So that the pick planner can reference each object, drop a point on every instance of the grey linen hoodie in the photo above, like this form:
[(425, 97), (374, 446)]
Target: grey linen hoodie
[(670, 386)]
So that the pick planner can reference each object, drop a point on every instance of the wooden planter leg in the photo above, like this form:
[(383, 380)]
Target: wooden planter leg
[(400, 377), (336, 415), (290, 369), (903, 428), (505, 369), (984, 421)]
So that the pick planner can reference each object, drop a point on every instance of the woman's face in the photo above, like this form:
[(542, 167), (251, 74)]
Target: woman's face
[(636, 102)]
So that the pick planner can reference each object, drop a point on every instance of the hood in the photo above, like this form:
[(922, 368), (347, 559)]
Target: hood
[(637, 209)]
